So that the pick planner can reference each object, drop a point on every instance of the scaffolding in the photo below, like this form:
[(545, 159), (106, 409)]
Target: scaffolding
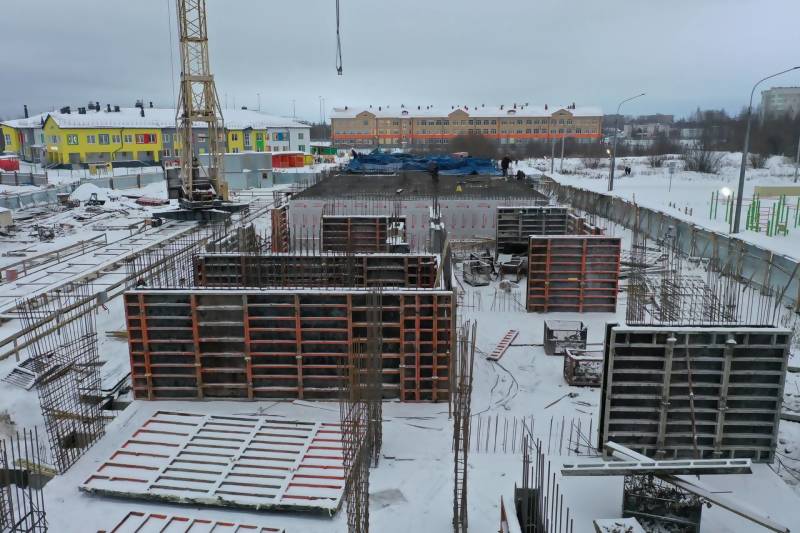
[(22, 477), (63, 343), (462, 399)]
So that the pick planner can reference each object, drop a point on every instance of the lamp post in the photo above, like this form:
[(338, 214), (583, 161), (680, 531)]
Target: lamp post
[(614, 147), (740, 191)]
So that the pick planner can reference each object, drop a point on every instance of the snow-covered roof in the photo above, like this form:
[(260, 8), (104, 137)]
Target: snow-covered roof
[(130, 117), (525, 110), (34, 121)]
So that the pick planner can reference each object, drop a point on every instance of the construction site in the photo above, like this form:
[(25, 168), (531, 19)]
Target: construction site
[(392, 349)]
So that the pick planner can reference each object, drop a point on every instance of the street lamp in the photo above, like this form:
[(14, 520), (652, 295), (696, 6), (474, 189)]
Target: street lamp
[(740, 192), (614, 149)]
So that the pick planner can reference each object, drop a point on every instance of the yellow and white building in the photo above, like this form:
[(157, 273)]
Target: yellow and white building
[(140, 135)]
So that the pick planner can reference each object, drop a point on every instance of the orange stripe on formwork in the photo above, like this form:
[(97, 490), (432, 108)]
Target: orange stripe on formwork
[(340, 478), (138, 454), (313, 486), (125, 465), (331, 457)]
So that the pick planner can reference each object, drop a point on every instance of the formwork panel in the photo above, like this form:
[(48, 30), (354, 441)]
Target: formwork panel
[(515, 224), (355, 233), (322, 270), (145, 522), (258, 344), (705, 393), (573, 273), (280, 228), (231, 461)]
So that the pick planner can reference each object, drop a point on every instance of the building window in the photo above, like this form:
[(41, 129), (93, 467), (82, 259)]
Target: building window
[(300, 136), (259, 136), (8, 139), (54, 139), (234, 137), (235, 150), (72, 139), (166, 137), (116, 139), (140, 139), (128, 139), (301, 147), (41, 138), (91, 139), (577, 130), (104, 138)]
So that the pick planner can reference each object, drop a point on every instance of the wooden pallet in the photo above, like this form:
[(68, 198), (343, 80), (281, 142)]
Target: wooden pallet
[(503, 345)]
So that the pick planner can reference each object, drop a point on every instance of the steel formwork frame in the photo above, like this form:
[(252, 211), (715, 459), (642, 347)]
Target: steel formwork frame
[(515, 224), (280, 228), (254, 344), (357, 233), (705, 393), (318, 270), (573, 273)]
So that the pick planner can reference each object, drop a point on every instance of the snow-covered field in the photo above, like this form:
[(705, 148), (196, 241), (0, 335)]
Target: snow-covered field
[(687, 194)]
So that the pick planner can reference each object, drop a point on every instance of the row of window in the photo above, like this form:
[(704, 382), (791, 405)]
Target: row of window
[(105, 138), (260, 136), (479, 131)]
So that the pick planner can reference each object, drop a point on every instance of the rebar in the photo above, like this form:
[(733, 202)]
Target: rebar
[(66, 357), (22, 476), (465, 362)]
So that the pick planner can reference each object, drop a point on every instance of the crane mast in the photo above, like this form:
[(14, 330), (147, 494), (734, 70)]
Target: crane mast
[(199, 105)]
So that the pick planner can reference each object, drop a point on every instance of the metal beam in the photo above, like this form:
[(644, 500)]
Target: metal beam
[(675, 468)]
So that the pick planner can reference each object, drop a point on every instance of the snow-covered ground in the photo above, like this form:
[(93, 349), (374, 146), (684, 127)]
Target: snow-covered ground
[(688, 196), (412, 488)]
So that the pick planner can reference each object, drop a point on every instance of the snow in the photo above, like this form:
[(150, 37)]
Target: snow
[(412, 488), (689, 196), (161, 118)]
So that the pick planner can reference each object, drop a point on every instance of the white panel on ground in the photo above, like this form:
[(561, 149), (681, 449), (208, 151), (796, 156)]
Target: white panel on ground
[(231, 461)]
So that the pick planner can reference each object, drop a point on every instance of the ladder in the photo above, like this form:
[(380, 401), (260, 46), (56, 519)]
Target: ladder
[(503, 345)]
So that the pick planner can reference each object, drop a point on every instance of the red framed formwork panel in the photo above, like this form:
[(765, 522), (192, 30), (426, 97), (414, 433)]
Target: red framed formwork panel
[(283, 344), (573, 273), (280, 228), (139, 522), (237, 461)]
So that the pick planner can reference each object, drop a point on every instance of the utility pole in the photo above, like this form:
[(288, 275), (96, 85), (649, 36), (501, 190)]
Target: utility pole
[(740, 192), (258, 95), (294, 114), (553, 156), (563, 140), (614, 148)]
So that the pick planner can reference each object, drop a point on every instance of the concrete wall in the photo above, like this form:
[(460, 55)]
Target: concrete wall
[(467, 218)]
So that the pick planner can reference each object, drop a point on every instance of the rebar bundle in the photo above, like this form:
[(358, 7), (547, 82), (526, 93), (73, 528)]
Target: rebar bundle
[(63, 342), (465, 361), (21, 480), (540, 502), (360, 410)]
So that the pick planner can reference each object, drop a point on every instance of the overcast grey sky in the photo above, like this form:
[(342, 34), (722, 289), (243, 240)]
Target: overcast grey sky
[(683, 53)]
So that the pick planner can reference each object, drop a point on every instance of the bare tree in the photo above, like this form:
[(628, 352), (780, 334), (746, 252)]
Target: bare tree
[(475, 145)]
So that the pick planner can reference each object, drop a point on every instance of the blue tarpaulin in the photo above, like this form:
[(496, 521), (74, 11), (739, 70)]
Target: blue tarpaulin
[(381, 162)]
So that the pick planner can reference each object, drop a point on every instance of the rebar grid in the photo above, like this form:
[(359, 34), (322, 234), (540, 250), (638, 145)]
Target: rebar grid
[(67, 356), (360, 411), (663, 291), (21, 480), (462, 398)]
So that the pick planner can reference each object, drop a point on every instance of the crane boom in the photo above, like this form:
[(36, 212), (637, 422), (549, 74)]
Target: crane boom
[(199, 104)]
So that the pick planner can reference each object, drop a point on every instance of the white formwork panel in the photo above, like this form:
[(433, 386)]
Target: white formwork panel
[(136, 522), (230, 461)]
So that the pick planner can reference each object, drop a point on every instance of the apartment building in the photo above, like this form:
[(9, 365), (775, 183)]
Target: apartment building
[(140, 135), (426, 125), (778, 102)]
